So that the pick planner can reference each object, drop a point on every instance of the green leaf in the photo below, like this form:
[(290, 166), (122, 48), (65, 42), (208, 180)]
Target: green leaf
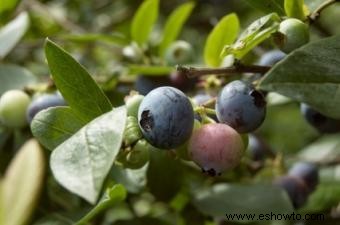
[(268, 6), (255, 33), (55, 125), (161, 165), (113, 195), (224, 33), (310, 74), (330, 145), (8, 5), (22, 183), (81, 163), (294, 8), (222, 199), (133, 180), (144, 20), (174, 24), (115, 38), (76, 85), (326, 196), (14, 77), (150, 70), (11, 34)]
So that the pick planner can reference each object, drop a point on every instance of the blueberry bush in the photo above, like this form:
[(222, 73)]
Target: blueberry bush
[(169, 112)]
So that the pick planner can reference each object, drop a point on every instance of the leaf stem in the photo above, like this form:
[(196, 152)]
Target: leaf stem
[(237, 68), (316, 13), (94, 212)]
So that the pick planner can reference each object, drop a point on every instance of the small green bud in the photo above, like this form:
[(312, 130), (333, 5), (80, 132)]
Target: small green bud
[(138, 156), (132, 131)]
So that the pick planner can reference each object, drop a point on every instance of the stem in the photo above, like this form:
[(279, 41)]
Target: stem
[(237, 68), (315, 15), (94, 212)]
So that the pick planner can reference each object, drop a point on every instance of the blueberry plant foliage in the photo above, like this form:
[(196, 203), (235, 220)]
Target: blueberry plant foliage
[(247, 122)]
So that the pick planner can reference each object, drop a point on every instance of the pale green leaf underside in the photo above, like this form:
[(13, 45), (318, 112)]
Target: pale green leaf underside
[(14, 77), (310, 74), (224, 33), (55, 125), (222, 199), (11, 33), (76, 85), (81, 163)]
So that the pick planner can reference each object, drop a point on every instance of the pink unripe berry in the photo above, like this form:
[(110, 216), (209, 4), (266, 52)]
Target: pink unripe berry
[(216, 148)]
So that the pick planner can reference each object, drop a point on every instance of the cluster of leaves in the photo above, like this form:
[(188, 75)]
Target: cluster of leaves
[(83, 140)]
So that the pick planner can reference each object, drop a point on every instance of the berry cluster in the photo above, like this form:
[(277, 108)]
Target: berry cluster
[(17, 110), (300, 182)]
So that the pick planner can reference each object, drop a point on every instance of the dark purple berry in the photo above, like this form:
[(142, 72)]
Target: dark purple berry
[(319, 121), (43, 102), (308, 172), (166, 117), (241, 106), (295, 188)]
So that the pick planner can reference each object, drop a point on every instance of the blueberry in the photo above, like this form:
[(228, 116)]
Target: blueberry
[(43, 102), (319, 121), (166, 117), (308, 172), (256, 148), (13, 105), (181, 81), (271, 58), (295, 188), (145, 84), (241, 106), (216, 148), (293, 34)]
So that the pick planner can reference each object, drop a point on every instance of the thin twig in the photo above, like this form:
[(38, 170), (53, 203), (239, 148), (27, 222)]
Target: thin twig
[(316, 13), (237, 68)]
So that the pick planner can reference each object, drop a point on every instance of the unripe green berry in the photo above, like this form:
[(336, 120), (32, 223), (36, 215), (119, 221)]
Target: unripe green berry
[(138, 156), (133, 53), (179, 52), (132, 104), (13, 105), (294, 34), (132, 131)]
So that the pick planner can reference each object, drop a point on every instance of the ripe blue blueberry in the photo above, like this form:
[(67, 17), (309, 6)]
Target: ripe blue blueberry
[(319, 121), (271, 58), (166, 117), (295, 188), (43, 102), (241, 106), (308, 172)]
